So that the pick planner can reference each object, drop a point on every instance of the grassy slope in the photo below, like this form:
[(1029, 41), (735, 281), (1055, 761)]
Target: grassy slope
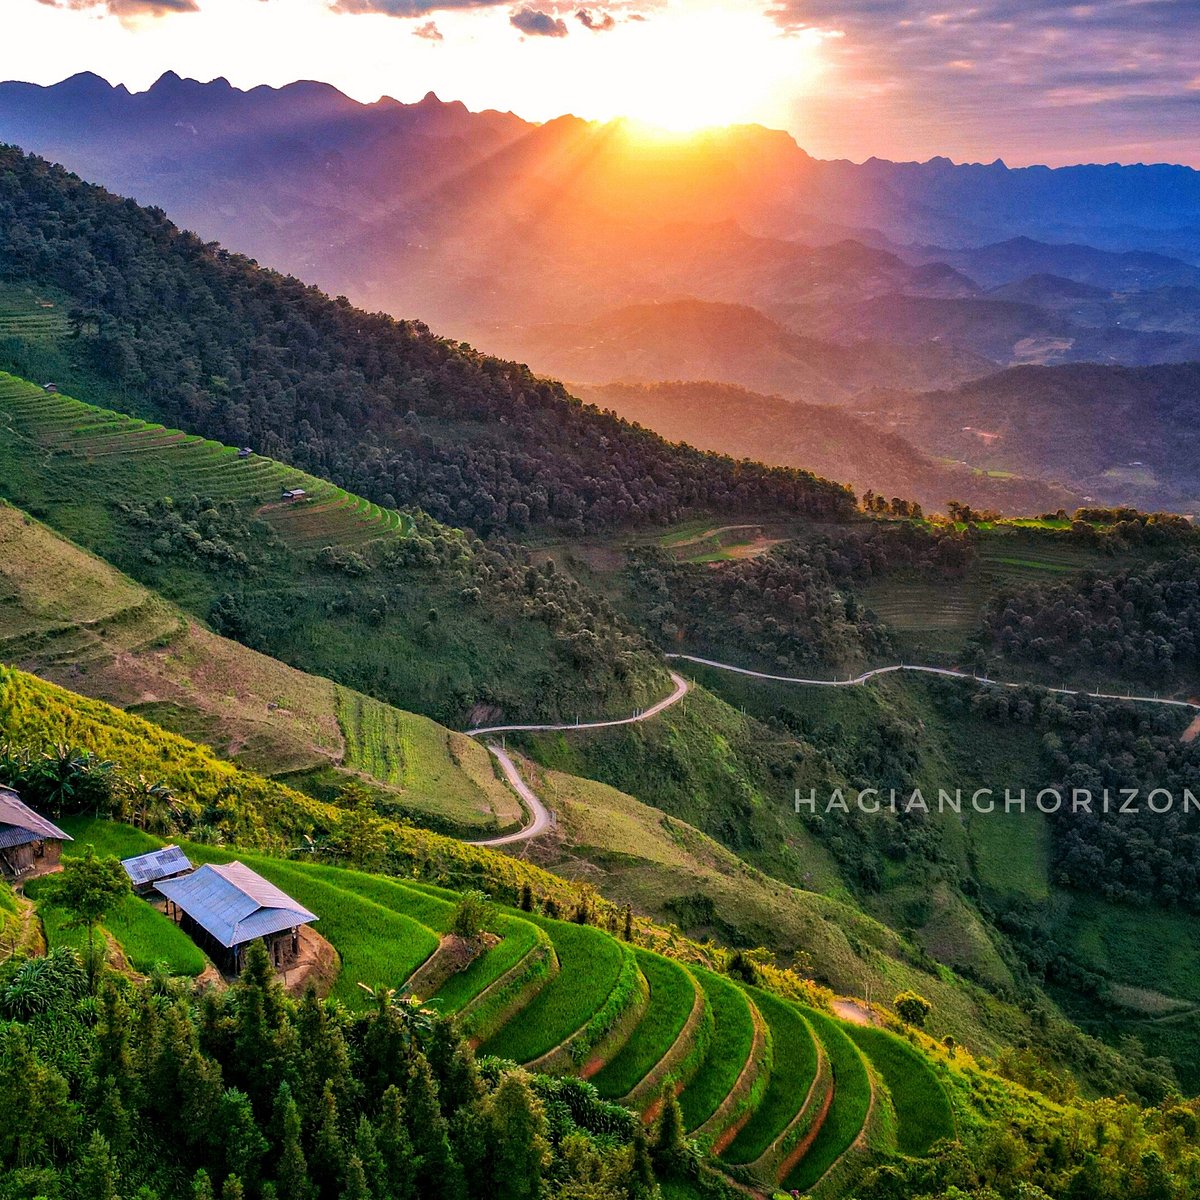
[(409, 636), (923, 1114), (795, 1067), (671, 999), (71, 618)]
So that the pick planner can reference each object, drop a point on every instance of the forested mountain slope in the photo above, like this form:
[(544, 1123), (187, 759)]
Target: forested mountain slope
[(191, 334)]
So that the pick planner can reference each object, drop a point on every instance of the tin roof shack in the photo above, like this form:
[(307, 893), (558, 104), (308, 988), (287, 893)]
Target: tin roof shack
[(29, 844), (225, 907), (145, 870)]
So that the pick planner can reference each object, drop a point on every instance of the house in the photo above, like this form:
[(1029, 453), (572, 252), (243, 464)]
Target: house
[(50, 387), (225, 907), (245, 452), (295, 494), (28, 843), (145, 870)]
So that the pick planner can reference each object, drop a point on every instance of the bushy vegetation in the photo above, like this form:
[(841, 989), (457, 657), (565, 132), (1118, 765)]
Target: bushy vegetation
[(380, 406), (169, 1093), (1138, 625), (789, 609)]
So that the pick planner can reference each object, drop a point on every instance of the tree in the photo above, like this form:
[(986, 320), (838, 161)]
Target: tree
[(473, 914), (98, 1175), (291, 1173), (89, 888), (517, 1139), (912, 1008), (668, 1150)]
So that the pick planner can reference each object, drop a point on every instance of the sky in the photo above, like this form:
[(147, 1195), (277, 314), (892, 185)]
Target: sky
[(1023, 80)]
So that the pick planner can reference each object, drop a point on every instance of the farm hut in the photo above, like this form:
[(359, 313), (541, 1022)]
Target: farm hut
[(28, 843), (245, 452), (294, 494), (50, 387), (146, 870), (225, 907)]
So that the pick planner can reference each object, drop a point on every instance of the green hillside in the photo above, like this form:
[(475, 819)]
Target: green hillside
[(386, 603), (72, 619)]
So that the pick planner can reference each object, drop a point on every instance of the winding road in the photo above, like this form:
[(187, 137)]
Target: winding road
[(540, 819), (947, 672)]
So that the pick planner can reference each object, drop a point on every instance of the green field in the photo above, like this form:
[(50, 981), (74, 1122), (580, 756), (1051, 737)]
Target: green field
[(145, 936), (923, 1114), (733, 1037), (671, 999), (589, 965), (848, 1112), (793, 1071)]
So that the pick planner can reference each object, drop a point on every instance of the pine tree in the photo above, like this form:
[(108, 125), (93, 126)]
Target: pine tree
[(395, 1146), (628, 931), (329, 1147), (517, 1135), (670, 1141), (232, 1189), (366, 1150), (291, 1172), (438, 1171), (239, 1137), (97, 1177), (526, 898), (202, 1188), (356, 1181)]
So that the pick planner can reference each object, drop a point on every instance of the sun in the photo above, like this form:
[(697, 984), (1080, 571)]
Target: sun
[(686, 70)]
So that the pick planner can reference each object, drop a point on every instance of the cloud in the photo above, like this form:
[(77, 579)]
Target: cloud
[(429, 31), (128, 8), (599, 24), (409, 8), (538, 24), (1015, 74)]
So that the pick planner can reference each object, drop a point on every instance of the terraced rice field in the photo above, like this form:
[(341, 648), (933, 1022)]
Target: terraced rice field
[(672, 998), (852, 1099), (153, 461), (923, 1113), (733, 1038), (778, 1089), (794, 1068)]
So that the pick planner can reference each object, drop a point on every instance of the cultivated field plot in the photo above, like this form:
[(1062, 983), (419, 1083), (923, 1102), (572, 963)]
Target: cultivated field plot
[(144, 461)]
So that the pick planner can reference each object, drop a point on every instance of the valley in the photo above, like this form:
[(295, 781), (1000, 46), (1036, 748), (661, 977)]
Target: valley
[(477, 709)]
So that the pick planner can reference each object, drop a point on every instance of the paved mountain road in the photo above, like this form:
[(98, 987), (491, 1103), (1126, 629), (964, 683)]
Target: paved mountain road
[(948, 672), (541, 821)]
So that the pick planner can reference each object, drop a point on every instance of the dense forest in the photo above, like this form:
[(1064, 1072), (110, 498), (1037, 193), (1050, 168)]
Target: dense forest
[(1141, 624), (208, 340), (1130, 853), (788, 609), (156, 1090)]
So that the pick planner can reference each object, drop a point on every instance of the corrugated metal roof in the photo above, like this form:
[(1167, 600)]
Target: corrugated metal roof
[(234, 903), (158, 864), (14, 811), (14, 835)]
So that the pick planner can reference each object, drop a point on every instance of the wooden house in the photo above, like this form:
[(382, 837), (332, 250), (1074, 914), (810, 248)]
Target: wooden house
[(226, 906), (29, 844)]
